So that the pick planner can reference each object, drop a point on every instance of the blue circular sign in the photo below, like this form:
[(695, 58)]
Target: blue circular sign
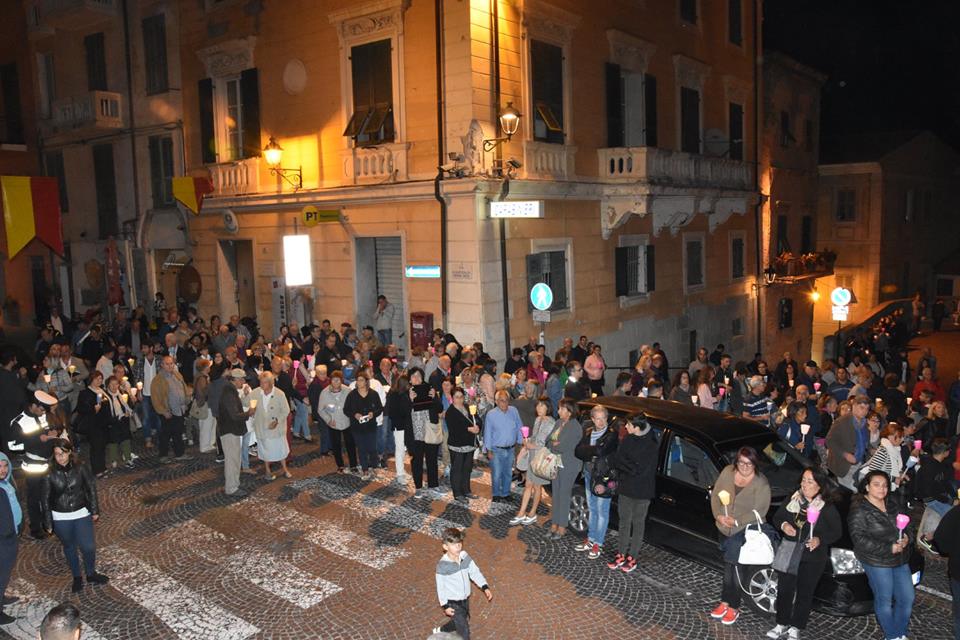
[(840, 297), (541, 296)]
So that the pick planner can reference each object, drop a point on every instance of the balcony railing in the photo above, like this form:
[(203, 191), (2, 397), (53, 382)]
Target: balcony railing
[(792, 268), (76, 15), (235, 178), (545, 161), (674, 168), (93, 110), (383, 163)]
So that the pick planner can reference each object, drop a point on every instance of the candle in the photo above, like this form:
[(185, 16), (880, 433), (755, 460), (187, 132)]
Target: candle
[(72, 369), (726, 379), (473, 410), (902, 521), (139, 385), (525, 432), (918, 444), (296, 365), (46, 378), (722, 391), (804, 429), (791, 383), (813, 514), (879, 401), (133, 392), (125, 397), (724, 497), (593, 395), (459, 380), (249, 352), (253, 403), (343, 363), (695, 399), (125, 378), (816, 386), (131, 361)]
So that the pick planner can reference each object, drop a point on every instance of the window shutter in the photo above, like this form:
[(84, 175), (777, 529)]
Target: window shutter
[(156, 174), (735, 115), (558, 279), (11, 115), (690, 120), (208, 144), (620, 268), (533, 274), (106, 190), (615, 134), (250, 98), (651, 263), (650, 110), (155, 53), (96, 62)]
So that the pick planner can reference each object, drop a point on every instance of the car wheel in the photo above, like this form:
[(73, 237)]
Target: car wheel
[(579, 513), (760, 586)]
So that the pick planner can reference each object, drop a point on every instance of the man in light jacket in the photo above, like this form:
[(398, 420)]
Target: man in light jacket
[(330, 409), (168, 396)]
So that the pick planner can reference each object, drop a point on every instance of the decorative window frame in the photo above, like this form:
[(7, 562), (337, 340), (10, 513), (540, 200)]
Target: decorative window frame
[(736, 235), (541, 245), (635, 240), (689, 74), (363, 23), (688, 237), (225, 62), (633, 54), (544, 22)]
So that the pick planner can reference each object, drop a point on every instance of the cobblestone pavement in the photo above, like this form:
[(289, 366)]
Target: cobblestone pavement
[(331, 556)]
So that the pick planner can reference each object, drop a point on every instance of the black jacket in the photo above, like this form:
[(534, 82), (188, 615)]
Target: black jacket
[(330, 358), (947, 538), (398, 410), (636, 460), (231, 418), (579, 390), (932, 481), (829, 528), (605, 446), (67, 489), (355, 403), (457, 425), (873, 532)]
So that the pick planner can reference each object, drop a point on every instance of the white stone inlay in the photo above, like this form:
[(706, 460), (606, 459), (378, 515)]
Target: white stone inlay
[(29, 612)]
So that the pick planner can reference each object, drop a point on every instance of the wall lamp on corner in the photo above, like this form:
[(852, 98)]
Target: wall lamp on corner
[(509, 123), (273, 153)]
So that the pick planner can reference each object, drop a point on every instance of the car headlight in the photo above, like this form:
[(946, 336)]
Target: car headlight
[(844, 562)]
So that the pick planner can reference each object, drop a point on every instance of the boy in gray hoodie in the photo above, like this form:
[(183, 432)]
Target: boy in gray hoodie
[(454, 572)]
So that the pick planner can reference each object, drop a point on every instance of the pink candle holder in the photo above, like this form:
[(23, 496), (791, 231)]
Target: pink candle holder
[(525, 432), (813, 514), (918, 444), (902, 521)]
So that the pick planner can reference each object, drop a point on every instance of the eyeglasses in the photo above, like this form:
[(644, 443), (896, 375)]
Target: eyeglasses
[(744, 463)]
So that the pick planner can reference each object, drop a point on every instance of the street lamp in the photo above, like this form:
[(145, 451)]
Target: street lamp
[(273, 153), (770, 275), (815, 296), (509, 123)]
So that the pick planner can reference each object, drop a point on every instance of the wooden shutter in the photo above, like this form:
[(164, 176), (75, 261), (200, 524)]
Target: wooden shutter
[(650, 110), (11, 118), (156, 174), (735, 20), (620, 268), (689, 120), (155, 53), (735, 115), (208, 142), (96, 62), (250, 99), (53, 165), (651, 271), (106, 188), (615, 123), (534, 273), (558, 279)]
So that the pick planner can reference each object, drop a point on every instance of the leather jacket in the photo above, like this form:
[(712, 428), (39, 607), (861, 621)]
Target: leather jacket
[(873, 532), (67, 489)]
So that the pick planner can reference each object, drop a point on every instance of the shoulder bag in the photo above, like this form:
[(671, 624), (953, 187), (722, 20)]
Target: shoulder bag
[(757, 546), (546, 463), (432, 433)]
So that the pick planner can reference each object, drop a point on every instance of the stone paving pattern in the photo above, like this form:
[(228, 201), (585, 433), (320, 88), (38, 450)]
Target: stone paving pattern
[(331, 556)]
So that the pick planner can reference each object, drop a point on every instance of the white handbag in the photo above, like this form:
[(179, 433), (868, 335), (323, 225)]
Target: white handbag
[(757, 548)]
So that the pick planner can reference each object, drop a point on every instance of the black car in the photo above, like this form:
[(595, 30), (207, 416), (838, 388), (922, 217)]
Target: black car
[(695, 445)]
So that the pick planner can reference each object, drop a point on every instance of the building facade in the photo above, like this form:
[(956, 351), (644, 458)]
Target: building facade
[(108, 105), (388, 109), (789, 152), (887, 205)]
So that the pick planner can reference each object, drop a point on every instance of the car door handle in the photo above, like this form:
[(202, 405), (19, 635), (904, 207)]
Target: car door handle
[(668, 499)]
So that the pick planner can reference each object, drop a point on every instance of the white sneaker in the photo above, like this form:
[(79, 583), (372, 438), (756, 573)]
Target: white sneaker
[(515, 520), (793, 633), (777, 632)]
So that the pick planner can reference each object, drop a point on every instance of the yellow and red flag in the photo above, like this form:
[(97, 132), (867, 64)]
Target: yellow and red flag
[(189, 192), (31, 209)]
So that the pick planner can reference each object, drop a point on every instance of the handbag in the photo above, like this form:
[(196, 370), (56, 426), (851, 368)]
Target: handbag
[(432, 433), (546, 463), (757, 546), (787, 557)]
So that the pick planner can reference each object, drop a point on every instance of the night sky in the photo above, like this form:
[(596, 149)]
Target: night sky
[(891, 64)]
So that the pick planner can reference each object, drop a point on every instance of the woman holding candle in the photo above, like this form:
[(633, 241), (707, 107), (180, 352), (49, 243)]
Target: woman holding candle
[(705, 388), (795, 430), (118, 428), (462, 433), (681, 388), (93, 420), (811, 520), (533, 440), (882, 538), (739, 491)]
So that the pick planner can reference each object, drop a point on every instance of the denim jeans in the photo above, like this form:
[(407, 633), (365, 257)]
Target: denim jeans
[(501, 471), (384, 437), (385, 336), (892, 598), (955, 590), (78, 535), (325, 444), (245, 451), (151, 421), (301, 427), (366, 441), (599, 514)]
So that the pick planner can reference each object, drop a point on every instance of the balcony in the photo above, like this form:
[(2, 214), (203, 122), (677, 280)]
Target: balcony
[(235, 178), (93, 110), (790, 268), (76, 15), (673, 168), (545, 161), (383, 163)]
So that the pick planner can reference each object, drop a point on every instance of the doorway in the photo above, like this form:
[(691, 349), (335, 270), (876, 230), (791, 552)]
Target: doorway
[(380, 272), (236, 289)]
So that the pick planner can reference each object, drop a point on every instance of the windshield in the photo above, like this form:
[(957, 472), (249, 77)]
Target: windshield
[(780, 463)]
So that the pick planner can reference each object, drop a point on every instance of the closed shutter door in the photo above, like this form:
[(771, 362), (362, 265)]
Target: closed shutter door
[(390, 280)]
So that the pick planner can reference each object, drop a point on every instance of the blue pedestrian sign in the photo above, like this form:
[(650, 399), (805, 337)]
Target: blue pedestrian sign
[(541, 296)]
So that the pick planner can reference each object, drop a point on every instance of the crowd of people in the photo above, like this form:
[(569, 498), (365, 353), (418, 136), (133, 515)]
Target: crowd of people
[(180, 382)]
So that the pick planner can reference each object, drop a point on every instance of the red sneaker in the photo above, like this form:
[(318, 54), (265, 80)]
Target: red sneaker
[(730, 616), (629, 565), (618, 561), (719, 612), (595, 551)]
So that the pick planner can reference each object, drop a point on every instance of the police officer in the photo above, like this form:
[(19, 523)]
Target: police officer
[(33, 441)]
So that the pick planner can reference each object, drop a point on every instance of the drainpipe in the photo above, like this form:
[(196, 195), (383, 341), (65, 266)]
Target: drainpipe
[(758, 209), (504, 287), (438, 13), (133, 137)]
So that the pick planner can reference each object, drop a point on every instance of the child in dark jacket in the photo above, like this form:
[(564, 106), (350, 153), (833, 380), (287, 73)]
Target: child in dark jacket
[(636, 462)]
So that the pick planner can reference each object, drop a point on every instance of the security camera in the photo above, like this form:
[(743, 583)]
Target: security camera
[(455, 157), (513, 163)]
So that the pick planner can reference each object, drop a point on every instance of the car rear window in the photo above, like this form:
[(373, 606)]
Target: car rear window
[(780, 463)]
